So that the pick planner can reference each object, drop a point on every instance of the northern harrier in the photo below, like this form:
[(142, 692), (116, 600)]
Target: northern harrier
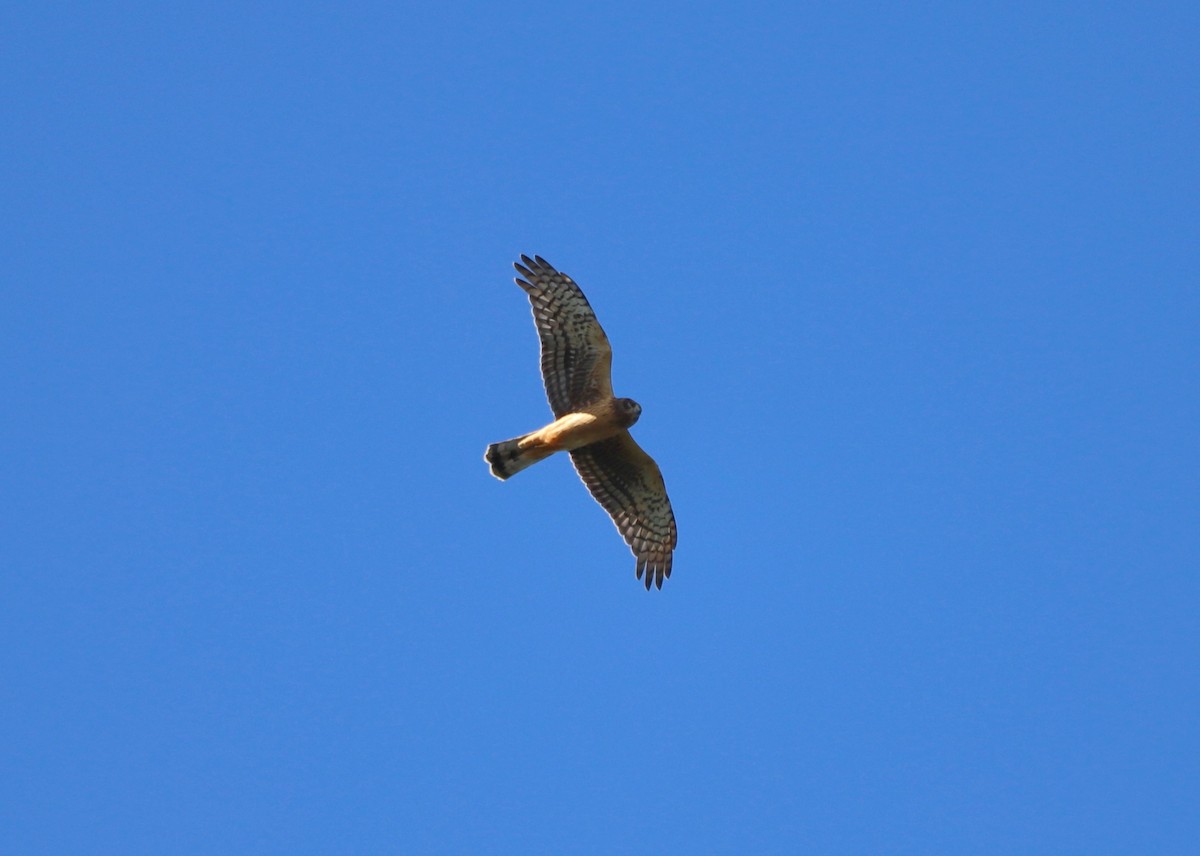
[(589, 422)]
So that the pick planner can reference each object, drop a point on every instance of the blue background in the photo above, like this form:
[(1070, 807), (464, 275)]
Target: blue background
[(909, 296)]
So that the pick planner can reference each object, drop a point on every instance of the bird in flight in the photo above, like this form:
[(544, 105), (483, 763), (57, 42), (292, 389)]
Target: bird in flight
[(589, 422)]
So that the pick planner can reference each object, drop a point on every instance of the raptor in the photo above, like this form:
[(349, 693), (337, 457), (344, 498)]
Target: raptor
[(590, 423)]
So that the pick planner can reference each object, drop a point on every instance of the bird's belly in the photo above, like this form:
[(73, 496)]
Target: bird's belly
[(578, 429)]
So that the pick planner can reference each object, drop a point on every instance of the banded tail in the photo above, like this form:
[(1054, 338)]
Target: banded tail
[(507, 458)]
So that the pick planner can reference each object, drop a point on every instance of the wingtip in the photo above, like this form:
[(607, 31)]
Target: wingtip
[(534, 262), (653, 570)]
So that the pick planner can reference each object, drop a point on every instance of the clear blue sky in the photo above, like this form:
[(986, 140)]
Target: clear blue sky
[(909, 298)]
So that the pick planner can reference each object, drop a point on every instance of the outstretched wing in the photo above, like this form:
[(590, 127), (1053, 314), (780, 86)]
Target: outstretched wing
[(576, 357), (627, 482)]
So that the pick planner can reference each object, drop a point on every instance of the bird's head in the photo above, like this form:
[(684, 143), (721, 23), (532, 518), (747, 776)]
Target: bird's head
[(629, 409)]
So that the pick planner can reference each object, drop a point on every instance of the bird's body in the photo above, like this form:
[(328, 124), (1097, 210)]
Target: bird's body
[(591, 424)]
